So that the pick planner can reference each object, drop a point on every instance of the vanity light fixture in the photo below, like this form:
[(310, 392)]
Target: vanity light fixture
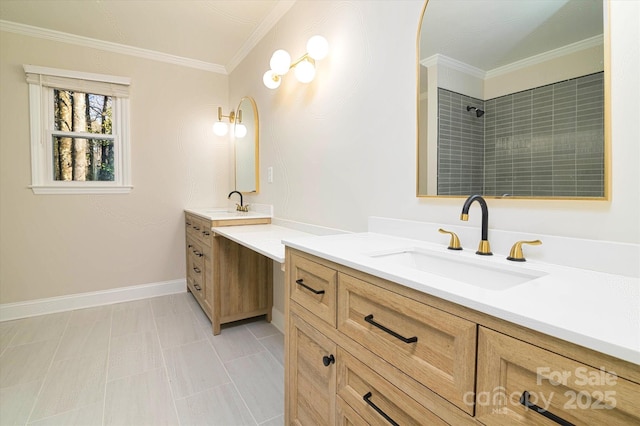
[(304, 68), (221, 128)]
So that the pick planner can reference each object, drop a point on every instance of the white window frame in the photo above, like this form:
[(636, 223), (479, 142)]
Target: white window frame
[(42, 82)]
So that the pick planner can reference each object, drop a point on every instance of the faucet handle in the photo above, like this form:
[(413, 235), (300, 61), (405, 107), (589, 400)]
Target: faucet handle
[(454, 243), (516, 254), (240, 208)]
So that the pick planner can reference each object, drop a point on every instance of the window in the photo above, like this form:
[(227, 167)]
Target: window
[(79, 132)]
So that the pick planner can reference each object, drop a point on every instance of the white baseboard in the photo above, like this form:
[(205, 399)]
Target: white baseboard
[(277, 319), (30, 308)]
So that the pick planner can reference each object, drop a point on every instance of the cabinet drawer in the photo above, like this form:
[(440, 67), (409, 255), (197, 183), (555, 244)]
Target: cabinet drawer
[(196, 286), (195, 250), (433, 347), (199, 229), (376, 400), (347, 416), (314, 287), (560, 387)]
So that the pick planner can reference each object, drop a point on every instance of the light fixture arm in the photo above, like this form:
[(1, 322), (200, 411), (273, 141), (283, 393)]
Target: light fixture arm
[(231, 116), (302, 58)]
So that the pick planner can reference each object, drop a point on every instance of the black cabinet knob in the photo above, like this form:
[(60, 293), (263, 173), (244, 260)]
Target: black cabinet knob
[(328, 360)]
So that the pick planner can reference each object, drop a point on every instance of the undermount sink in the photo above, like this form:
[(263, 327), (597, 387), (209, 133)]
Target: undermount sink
[(486, 276)]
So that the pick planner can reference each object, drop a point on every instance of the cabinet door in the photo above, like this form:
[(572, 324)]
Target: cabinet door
[(522, 384), (312, 375)]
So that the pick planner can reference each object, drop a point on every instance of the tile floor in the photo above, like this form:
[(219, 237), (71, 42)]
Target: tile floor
[(147, 362)]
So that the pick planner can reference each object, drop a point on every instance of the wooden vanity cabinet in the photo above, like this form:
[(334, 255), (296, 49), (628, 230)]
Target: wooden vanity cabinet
[(229, 281), (367, 377), (465, 367)]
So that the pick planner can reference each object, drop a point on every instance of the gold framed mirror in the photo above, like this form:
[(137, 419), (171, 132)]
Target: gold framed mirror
[(247, 146), (513, 99)]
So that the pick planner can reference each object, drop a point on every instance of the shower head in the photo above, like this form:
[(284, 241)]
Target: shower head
[(479, 112)]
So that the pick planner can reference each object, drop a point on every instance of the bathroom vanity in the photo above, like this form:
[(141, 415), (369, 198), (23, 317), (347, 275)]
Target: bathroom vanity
[(369, 341), (229, 281)]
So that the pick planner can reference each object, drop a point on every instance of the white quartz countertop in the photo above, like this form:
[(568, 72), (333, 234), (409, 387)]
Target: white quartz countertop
[(264, 239), (597, 310), (226, 214)]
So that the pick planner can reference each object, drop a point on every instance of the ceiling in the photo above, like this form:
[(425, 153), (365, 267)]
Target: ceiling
[(488, 34), (216, 33)]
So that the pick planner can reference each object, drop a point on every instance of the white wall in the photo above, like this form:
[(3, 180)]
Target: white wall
[(54, 245), (343, 147)]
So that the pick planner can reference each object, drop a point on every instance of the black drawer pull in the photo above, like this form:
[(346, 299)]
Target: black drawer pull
[(197, 228), (524, 400), (367, 399), (369, 319), (300, 282), (197, 253), (196, 269), (197, 287), (328, 360), (206, 233)]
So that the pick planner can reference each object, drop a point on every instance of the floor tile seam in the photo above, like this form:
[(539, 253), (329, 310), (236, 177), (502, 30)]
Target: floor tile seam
[(219, 385), (264, 336), (264, 349), (272, 354), (61, 412), (180, 344), (46, 375), (106, 373), (208, 388), (269, 419), (233, 383), (166, 370), (139, 373)]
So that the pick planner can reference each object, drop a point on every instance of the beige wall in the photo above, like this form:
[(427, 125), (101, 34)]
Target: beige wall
[(343, 147), (53, 245)]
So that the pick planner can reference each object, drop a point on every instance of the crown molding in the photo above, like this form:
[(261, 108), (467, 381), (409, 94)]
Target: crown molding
[(265, 26), (439, 59), (547, 56), (28, 30)]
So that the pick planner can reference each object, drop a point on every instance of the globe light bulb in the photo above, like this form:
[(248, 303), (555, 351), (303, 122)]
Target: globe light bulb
[(317, 47), (280, 62), (240, 130), (220, 128), (271, 79), (305, 71)]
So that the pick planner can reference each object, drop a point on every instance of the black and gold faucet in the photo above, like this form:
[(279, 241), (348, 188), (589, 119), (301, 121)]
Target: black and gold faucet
[(239, 207), (483, 248)]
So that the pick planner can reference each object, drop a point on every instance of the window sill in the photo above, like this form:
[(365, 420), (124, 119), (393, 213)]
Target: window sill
[(84, 189)]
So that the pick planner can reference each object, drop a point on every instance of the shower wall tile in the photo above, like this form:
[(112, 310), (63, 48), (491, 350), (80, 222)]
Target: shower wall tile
[(547, 141), (460, 144)]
